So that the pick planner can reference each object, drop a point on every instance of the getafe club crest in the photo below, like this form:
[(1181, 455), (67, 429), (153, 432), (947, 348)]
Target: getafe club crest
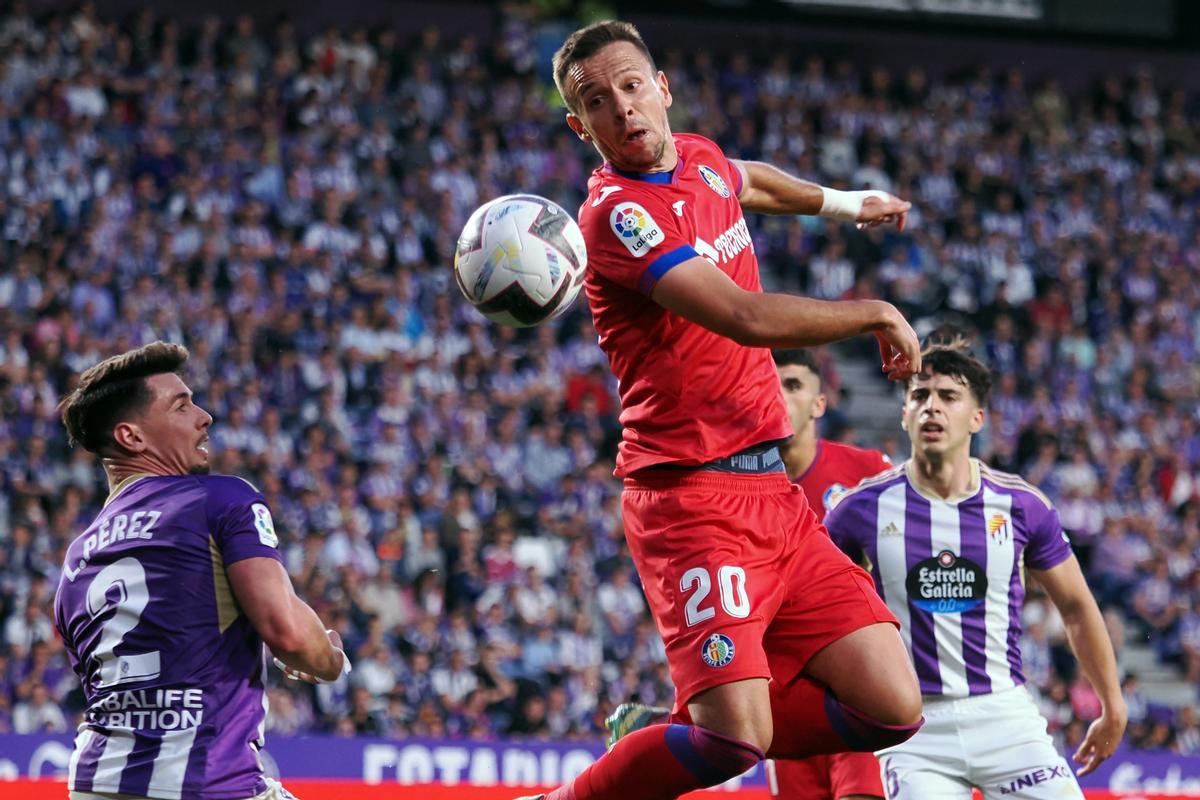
[(714, 181), (717, 650)]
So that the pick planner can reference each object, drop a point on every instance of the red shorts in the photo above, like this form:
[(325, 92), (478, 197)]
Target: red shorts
[(828, 777), (742, 579)]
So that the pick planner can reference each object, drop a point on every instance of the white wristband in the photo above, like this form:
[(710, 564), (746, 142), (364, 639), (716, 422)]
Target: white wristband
[(846, 206)]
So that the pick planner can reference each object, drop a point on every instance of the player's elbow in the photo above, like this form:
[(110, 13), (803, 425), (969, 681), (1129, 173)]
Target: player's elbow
[(281, 633), (744, 324)]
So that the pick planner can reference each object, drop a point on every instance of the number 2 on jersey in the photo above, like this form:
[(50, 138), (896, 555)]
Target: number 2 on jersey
[(127, 577), (731, 581)]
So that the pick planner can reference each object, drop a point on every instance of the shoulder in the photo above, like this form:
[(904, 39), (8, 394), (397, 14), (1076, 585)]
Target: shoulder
[(226, 490), (867, 459), (868, 489), (1021, 489)]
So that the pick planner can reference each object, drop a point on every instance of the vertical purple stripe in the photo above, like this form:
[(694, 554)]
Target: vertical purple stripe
[(918, 546), (135, 778), (85, 772), (973, 537), (869, 532), (1016, 589)]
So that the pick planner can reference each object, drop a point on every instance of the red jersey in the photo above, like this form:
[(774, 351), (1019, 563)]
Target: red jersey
[(688, 395), (836, 468)]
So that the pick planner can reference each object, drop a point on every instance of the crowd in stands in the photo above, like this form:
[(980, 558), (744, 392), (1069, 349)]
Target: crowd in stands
[(288, 207)]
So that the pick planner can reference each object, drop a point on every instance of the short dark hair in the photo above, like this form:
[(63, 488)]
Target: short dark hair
[(111, 391), (586, 42), (953, 359), (798, 357)]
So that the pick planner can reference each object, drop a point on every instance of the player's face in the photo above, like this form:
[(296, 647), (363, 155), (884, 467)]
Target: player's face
[(622, 108), (940, 415), (802, 395), (173, 431)]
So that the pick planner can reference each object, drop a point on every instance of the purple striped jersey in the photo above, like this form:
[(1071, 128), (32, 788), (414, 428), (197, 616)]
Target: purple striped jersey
[(172, 670), (953, 571)]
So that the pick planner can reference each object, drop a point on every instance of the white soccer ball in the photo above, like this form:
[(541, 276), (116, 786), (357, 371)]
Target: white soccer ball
[(520, 260)]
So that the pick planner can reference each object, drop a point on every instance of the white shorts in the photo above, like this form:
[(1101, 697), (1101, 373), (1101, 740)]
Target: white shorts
[(995, 742), (275, 791)]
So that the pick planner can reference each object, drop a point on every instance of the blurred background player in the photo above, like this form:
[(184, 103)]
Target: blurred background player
[(948, 540), (167, 597), (821, 467), (824, 469), (738, 574)]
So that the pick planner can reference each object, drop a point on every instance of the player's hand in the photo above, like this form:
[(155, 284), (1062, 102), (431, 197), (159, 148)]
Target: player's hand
[(298, 675), (899, 347), (878, 211), (1101, 741)]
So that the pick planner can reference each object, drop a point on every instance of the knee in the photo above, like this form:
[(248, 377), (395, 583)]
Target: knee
[(864, 733), (712, 757), (903, 706)]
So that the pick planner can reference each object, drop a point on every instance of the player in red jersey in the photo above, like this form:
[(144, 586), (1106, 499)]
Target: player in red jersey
[(778, 644), (822, 469)]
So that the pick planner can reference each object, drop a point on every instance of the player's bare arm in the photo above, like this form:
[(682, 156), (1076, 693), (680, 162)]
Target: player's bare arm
[(769, 190), (286, 623), (1090, 643), (699, 291)]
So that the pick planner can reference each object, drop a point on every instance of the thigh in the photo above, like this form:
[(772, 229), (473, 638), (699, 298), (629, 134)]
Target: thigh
[(711, 579), (828, 598), (869, 669), (1012, 755), (803, 779), (908, 776)]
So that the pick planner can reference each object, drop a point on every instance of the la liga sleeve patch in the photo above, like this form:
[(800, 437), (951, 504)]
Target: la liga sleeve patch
[(633, 226), (264, 525)]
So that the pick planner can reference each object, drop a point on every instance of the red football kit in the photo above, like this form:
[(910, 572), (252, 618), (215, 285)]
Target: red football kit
[(836, 468), (740, 576)]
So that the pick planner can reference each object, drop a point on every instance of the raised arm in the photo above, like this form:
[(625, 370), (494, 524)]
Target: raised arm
[(770, 190), (1089, 642), (699, 291)]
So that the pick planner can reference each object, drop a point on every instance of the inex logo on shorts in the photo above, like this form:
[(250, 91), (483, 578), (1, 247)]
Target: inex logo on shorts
[(946, 584), (717, 650), (714, 181)]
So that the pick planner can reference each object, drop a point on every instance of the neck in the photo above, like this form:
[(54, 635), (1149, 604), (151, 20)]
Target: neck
[(118, 470), (945, 475), (799, 453)]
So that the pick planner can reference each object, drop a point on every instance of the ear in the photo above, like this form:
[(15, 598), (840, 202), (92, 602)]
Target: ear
[(819, 405), (664, 88), (576, 124), (128, 436), (978, 417)]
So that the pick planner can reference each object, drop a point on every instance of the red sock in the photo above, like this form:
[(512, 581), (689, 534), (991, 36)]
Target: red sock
[(660, 762)]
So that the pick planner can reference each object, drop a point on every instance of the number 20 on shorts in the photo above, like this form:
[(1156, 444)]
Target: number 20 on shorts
[(731, 585)]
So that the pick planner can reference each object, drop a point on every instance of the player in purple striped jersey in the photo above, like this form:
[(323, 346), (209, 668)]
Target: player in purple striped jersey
[(167, 597), (949, 541)]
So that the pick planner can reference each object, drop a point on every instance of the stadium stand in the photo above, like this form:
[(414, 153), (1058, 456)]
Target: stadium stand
[(287, 208)]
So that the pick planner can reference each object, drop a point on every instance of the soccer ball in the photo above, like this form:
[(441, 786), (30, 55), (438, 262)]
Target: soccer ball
[(520, 260)]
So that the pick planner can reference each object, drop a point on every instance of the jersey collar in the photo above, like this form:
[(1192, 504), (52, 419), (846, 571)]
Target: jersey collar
[(973, 487), (662, 178), (125, 484)]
